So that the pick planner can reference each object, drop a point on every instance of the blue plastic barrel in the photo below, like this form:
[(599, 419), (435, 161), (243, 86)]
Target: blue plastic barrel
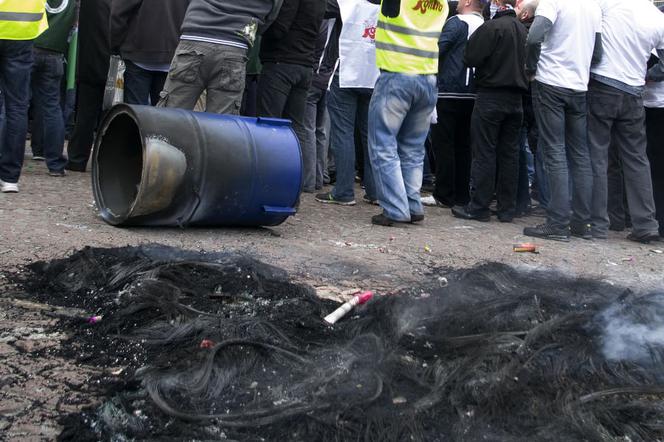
[(172, 167)]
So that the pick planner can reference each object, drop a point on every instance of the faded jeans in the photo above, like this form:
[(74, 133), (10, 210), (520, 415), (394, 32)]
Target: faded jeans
[(399, 119), (563, 141), (199, 66)]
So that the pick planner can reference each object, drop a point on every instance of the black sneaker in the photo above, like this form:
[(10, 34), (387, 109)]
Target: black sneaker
[(583, 231), (463, 213), (644, 238), (416, 218), (327, 198), (368, 200), (57, 173), (382, 220), (547, 231)]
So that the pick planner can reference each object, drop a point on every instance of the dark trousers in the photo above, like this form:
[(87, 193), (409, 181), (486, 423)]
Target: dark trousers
[(282, 93), (562, 121), (317, 138), (250, 98), (655, 134), (48, 132), (523, 188), (451, 145), (617, 119), (89, 102), (495, 130), (142, 86), (16, 59)]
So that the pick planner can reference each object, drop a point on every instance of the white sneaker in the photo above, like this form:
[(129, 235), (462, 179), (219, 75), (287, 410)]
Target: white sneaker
[(429, 201), (8, 187)]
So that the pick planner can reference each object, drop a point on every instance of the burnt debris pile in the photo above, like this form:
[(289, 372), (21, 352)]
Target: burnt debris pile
[(224, 347)]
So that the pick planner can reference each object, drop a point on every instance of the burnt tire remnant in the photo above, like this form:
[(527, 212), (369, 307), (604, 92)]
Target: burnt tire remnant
[(202, 346)]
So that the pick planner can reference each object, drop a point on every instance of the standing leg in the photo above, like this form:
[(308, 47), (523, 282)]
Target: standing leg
[(616, 190), (655, 133), (362, 121), (576, 139), (507, 152), (602, 103), (295, 110), (631, 140), (550, 113), (321, 138), (388, 109), (309, 152), (90, 98), (411, 138), (484, 137), (15, 69), (462, 153), (47, 94), (443, 137), (342, 107)]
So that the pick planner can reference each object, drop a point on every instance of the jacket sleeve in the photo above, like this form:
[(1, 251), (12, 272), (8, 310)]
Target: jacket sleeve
[(284, 20), (449, 36), (480, 47), (332, 10), (538, 33), (272, 16), (122, 12)]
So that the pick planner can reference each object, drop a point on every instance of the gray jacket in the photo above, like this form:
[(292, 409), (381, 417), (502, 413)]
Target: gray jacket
[(231, 22)]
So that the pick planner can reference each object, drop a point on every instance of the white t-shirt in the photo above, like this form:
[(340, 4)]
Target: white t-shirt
[(630, 31), (568, 49)]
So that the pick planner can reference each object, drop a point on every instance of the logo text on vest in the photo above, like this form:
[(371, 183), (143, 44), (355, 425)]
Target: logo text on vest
[(425, 6)]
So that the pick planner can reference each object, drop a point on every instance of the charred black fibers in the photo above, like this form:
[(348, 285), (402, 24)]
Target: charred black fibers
[(498, 354)]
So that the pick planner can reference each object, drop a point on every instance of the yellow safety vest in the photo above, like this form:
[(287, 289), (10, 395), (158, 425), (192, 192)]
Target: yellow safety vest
[(22, 19), (408, 44)]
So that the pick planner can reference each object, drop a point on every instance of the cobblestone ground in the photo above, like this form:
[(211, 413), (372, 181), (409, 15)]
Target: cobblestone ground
[(323, 245)]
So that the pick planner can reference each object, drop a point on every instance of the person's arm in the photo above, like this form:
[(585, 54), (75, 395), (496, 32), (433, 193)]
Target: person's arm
[(656, 73), (480, 47), (391, 8), (449, 36), (280, 27), (538, 33), (598, 51), (122, 12), (332, 10)]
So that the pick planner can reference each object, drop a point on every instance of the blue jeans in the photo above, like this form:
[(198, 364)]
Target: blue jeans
[(562, 120), (142, 86), (399, 119), (48, 130), (345, 106), (16, 60)]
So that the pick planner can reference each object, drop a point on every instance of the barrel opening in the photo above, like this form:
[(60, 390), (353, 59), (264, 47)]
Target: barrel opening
[(120, 164)]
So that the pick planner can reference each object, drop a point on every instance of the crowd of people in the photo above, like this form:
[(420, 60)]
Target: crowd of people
[(558, 102)]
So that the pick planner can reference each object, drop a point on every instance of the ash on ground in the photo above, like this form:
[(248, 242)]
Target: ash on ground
[(197, 346)]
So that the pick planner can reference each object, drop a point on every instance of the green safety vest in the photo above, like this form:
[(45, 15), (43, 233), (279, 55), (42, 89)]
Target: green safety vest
[(22, 19), (408, 44)]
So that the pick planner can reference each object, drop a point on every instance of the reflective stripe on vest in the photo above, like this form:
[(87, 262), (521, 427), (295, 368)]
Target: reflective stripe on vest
[(22, 19), (409, 43)]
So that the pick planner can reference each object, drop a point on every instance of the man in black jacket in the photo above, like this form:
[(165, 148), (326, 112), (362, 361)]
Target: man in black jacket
[(145, 33), (497, 51), (456, 99), (212, 53), (93, 61), (287, 54)]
